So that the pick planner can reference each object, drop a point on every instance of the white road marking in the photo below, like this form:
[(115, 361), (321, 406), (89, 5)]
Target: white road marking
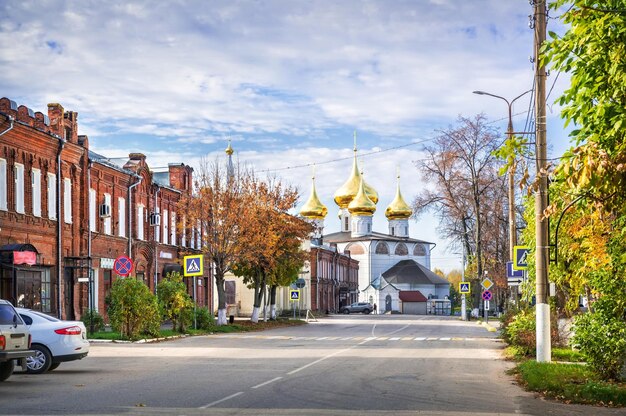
[(420, 339), (221, 400), (394, 339), (267, 382)]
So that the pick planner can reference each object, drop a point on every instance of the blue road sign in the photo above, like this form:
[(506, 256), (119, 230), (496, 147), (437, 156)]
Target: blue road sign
[(294, 294), (194, 266), (520, 254), (511, 272), (123, 265), (464, 287), (486, 295)]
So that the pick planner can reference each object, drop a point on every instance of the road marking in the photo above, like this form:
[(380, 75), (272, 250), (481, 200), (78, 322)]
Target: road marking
[(420, 339), (322, 338), (444, 339), (382, 338), (407, 338), (267, 382), (432, 339), (221, 400), (318, 361), (394, 339)]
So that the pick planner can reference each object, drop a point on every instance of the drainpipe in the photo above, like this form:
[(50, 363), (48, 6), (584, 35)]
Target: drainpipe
[(129, 215), (12, 120), (59, 229), (91, 280), (156, 242)]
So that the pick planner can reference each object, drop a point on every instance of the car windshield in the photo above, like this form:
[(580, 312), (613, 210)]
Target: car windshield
[(7, 315)]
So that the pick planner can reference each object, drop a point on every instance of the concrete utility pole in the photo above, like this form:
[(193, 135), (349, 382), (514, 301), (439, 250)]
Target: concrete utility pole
[(542, 307)]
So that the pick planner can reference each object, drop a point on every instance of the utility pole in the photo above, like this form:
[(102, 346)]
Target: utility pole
[(542, 308)]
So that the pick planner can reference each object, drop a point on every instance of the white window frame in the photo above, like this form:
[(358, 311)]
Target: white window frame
[(67, 200), (183, 240), (92, 210), (121, 217), (36, 185), (173, 229), (166, 227), (157, 227), (52, 196), (198, 235), (140, 221), (106, 222), (18, 169), (3, 185)]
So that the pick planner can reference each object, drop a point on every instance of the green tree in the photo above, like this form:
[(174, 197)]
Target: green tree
[(134, 310), (174, 302)]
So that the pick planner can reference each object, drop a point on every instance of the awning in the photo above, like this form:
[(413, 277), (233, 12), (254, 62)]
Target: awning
[(18, 254), (172, 268), (412, 296)]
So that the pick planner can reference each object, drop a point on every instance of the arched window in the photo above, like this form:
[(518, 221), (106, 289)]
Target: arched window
[(419, 250), (382, 248), (355, 248), (401, 250)]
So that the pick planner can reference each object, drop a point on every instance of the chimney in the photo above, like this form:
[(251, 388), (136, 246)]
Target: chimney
[(55, 114), (181, 176)]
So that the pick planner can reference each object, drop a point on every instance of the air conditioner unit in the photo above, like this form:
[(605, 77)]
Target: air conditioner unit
[(155, 219), (105, 211)]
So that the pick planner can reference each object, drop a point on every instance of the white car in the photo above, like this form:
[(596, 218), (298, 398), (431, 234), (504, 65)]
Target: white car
[(53, 340)]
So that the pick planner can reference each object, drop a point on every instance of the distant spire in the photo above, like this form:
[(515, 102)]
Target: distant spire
[(230, 168)]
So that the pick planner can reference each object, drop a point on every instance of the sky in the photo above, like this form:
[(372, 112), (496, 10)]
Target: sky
[(289, 82)]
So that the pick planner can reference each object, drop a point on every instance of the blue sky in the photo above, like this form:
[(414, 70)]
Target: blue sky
[(287, 81)]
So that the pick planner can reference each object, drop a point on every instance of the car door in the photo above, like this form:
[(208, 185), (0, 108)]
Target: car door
[(13, 328)]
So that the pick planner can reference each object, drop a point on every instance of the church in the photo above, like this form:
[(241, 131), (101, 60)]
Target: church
[(394, 269)]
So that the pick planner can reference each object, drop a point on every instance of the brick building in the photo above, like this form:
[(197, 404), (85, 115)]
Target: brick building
[(65, 210), (334, 279)]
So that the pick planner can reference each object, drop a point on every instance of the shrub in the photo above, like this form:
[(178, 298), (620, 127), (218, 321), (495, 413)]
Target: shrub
[(204, 318), (602, 340), (174, 302), (133, 310), (520, 331), (92, 318)]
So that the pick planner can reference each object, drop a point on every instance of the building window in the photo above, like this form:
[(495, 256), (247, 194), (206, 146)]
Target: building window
[(173, 229), (166, 227), (157, 227), (393, 231), (230, 289), (52, 196), (107, 221), (354, 248), (36, 185), (19, 188), (419, 250), (140, 221), (401, 250), (121, 217), (198, 235), (192, 243), (346, 224), (92, 210), (107, 283), (3, 185), (382, 248), (67, 200), (183, 240)]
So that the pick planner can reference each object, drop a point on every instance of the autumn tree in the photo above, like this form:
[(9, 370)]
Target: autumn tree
[(466, 191), (593, 171), (218, 207), (273, 239)]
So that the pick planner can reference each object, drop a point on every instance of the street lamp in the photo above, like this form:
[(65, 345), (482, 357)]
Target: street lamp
[(512, 167)]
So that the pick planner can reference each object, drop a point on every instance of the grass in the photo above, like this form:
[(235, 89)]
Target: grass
[(571, 383), (558, 354), (239, 326)]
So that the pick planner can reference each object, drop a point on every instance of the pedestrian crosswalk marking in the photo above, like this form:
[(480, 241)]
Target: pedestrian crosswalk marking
[(323, 339)]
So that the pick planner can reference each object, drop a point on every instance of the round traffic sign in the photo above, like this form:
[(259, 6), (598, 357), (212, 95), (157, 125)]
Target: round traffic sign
[(123, 265), (486, 295)]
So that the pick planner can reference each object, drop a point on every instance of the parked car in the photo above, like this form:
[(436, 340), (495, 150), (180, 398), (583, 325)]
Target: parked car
[(364, 307), (54, 341), (14, 340)]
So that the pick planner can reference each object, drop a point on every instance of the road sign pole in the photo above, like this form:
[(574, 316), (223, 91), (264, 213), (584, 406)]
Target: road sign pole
[(463, 308)]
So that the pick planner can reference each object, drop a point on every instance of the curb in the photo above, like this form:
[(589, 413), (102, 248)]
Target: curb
[(487, 326), (141, 341)]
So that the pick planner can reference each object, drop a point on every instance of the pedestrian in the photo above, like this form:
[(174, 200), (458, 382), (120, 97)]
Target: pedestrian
[(375, 312)]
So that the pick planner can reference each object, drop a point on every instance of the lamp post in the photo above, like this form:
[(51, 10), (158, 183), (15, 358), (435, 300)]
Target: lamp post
[(512, 167)]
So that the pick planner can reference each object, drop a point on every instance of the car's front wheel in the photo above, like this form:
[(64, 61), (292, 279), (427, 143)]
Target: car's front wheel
[(6, 369), (40, 362), (366, 311), (346, 311)]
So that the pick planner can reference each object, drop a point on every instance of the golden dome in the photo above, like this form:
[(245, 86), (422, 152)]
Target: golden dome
[(313, 208), (229, 150), (398, 209), (348, 191), (362, 204)]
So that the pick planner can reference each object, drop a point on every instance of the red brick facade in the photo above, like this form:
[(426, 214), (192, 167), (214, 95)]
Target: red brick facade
[(334, 279), (45, 206)]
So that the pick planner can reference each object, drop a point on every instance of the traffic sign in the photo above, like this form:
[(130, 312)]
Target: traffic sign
[(515, 281), (486, 283), (464, 287), (520, 254), (486, 295), (294, 294), (511, 272), (193, 265), (123, 266)]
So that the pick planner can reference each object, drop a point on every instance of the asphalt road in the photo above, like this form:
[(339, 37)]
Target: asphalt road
[(341, 365)]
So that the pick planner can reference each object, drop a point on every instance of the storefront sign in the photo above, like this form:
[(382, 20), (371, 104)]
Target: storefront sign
[(165, 255), (24, 257), (106, 263)]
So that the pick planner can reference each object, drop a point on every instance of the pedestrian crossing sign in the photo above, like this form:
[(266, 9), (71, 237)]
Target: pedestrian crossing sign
[(520, 256), (464, 287), (294, 294), (194, 265)]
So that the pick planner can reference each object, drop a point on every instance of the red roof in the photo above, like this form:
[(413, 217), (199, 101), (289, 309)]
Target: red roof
[(412, 296)]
